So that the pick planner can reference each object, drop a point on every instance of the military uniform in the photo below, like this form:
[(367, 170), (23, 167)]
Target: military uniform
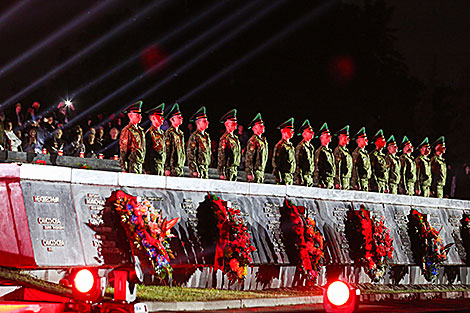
[(439, 171), (408, 172), (284, 158), (325, 169), (132, 144), (229, 154), (199, 149), (155, 152), (304, 159), (379, 177), (343, 162), (394, 168), (423, 172), (175, 147), (362, 170), (256, 155)]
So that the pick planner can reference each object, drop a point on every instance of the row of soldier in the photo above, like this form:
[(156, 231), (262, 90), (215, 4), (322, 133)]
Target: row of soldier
[(159, 153)]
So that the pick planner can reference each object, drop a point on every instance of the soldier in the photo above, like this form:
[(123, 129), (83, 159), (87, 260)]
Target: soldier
[(155, 140), (199, 146), (304, 156), (257, 152), (284, 155), (174, 141), (325, 169), (423, 170), (393, 165), (362, 171), (439, 168), (408, 168), (379, 179), (132, 141), (343, 160), (229, 154)]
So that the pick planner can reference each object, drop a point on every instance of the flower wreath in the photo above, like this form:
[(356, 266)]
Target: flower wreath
[(431, 252), (147, 231), (234, 246), (308, 240), (376, 248)]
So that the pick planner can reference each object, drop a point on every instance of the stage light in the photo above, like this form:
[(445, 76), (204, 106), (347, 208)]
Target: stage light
[(340, 297), (68, 103), (87, 285)]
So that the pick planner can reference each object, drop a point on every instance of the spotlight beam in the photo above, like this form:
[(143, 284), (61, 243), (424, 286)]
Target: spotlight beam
[(298, 24), (163, 40), (186, 48), (12, 10), (89, 49), (84, 17)]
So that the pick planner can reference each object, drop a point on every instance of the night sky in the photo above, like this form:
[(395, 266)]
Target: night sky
[(339, 64)]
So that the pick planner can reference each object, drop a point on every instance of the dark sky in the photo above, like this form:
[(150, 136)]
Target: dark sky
[(292, 77)]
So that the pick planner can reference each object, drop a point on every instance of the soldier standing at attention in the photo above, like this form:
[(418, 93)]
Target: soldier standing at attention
[(379, 179), (284, 155), (393, 165), (408, 168), (132, 141), (229, 154), (199, 146), (423, 170), (362, 171), (174, 141), (256, 152), (439, 168), (304, 156), (155, 140), (343, 160), (325, 170)]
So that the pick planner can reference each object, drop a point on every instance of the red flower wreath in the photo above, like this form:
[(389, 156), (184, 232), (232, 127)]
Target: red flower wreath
[(234, 248), (309, 241), (376, 248)]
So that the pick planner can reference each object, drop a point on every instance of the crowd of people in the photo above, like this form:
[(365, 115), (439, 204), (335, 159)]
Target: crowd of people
[(165, 153)]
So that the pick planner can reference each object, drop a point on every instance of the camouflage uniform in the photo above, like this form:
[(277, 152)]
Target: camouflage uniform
[(132, 149), (362, 171), (439, 175), (283, 162), (408, 174), (199, 154), (256, 157), (229, 156), (305, 161), (155, 154), (379, 171), (343, 162), (394, 172), (175, 154), (423, 175), (325, 169)]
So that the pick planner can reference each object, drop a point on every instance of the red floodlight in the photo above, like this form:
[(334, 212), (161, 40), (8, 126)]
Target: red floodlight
[(340, 297), (86, 285)]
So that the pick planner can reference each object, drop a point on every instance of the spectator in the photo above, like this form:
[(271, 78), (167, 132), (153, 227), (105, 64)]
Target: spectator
[(19, 115), (12, 142), (64, 112), (45, 130), (91, 150), (111, 145), (55, 143), (76, 147), (99, 138), (2, 131), (30, 142)]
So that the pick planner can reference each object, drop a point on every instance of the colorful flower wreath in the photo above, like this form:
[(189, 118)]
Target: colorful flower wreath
[(308, 240), (234, 248), (147, 231), (376, 248), (431, 250)]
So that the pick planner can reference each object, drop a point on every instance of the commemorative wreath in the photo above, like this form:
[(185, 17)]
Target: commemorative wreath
[(375, 243), (308, 240), (430, 251), (147, 231), (234, 248)]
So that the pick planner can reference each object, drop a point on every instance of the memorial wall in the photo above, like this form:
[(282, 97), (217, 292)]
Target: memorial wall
[(70, 225)]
